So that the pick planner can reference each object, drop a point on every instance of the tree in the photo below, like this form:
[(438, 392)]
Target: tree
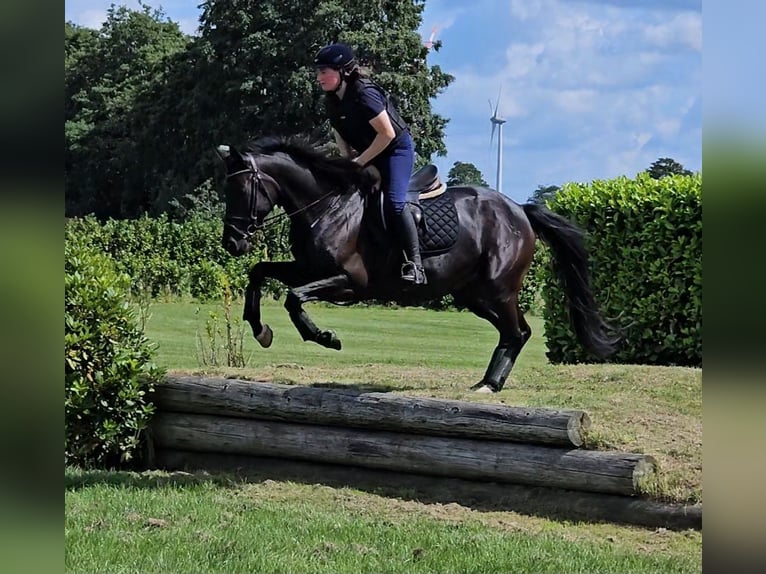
[(543, 193), (462, 173), (666, 166), (105, 73), (248, 74), (264, 50)]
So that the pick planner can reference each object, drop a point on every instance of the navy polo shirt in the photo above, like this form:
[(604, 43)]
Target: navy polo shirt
[(351, 116)]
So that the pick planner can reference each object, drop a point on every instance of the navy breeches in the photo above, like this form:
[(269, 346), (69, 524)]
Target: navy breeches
[(395, 168)]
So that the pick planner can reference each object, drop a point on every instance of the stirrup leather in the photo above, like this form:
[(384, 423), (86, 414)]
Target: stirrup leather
[(413, 273)]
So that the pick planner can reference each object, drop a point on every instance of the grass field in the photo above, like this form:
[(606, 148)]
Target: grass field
[(176, 522)]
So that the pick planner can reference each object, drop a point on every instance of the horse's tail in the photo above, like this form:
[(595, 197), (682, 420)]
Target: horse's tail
[(570, 260)]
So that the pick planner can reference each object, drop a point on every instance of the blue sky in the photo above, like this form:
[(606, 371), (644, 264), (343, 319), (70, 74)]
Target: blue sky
[(591, 89)]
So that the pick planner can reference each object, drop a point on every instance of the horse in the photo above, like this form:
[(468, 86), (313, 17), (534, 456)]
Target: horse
[(343, 253)]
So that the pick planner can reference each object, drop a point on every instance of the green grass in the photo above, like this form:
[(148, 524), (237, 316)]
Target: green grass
[(412, 337), (122, 523), (177, 522)]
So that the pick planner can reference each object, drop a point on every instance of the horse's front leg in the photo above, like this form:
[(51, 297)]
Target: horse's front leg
[(286, 272), (336, 289)]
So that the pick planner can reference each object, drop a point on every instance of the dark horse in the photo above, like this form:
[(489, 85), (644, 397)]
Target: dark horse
[(342, 253)]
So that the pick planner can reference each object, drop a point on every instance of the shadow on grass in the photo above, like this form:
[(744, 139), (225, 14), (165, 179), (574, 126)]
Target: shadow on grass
[(229, 471)]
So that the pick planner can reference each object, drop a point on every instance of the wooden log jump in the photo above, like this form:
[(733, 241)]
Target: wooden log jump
[(379, 411), (378, 430), (516, 463)]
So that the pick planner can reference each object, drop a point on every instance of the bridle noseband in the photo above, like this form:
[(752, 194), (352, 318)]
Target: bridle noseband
[(251, 219), (256, 182)]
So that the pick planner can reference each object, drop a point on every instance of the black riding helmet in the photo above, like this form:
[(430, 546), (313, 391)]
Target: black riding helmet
[(336, 56)]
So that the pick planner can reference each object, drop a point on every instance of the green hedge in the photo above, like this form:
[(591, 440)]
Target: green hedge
[(165, 257), (645, 241), (530, 298), (162, 256), (108, 372)]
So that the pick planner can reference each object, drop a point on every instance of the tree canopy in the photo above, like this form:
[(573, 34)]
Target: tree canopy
[(666, 166), (465, 173), (146, 105), (543, 193)]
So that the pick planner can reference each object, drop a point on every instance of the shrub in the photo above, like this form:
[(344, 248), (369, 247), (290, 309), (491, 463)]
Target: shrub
[(107, 363), (165, 257), (530, 300), (645, 241)]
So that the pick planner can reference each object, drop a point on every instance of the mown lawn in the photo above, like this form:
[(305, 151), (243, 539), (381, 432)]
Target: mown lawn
[(177, 522), (160, 522)]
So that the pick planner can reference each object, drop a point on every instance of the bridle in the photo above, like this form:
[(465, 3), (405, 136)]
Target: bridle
[(255, 178)]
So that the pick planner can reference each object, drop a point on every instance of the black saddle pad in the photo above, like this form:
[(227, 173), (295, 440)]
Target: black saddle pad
[(439, 228)]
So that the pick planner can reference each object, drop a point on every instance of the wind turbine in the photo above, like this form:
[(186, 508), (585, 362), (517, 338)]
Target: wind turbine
[(430, 42), (498, 122)]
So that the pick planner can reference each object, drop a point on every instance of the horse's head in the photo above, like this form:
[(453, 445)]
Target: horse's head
[(248, 200)]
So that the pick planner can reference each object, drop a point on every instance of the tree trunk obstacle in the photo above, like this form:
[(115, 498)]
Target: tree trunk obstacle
[(462, 439)]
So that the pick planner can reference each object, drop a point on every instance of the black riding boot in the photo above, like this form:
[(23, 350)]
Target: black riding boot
[(412, 269)]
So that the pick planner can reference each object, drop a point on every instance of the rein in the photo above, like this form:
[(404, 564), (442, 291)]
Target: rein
[(256, 182)]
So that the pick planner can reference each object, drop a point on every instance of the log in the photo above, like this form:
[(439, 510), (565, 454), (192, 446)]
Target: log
[(515, 463), (380, 411), (549, 503)]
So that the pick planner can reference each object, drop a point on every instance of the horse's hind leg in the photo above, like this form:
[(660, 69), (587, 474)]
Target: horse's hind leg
[(335, 289), (514, 332)]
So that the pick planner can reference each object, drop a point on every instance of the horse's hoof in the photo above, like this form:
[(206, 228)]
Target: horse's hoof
[(265, 337), (329, 339), (484, 388)]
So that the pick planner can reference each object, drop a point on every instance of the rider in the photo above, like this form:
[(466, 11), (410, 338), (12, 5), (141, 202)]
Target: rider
[(363, 118)]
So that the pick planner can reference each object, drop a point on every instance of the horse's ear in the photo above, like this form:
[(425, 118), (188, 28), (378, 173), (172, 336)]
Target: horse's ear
[(223, 151)]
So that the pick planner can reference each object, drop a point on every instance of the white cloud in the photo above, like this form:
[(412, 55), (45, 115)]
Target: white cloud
[(668, 127), (576, 101), (446, 20), (640, 140), (91, 18), (521, 59), (525, 9), (684, 28)]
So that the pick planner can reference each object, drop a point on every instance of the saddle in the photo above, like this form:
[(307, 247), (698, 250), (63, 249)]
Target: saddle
[(424, 183), (433, 210)]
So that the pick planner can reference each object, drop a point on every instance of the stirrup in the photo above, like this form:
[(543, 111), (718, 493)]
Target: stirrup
[(413, 273)]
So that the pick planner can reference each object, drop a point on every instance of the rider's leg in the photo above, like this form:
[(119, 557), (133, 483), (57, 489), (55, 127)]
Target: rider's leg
[(398, 169), (412, 269)]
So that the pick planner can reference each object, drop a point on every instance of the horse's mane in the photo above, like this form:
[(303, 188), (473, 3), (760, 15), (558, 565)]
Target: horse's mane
[(334, 173)]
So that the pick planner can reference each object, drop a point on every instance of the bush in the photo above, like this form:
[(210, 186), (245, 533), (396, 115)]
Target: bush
[(179, 258), (530, 299), (107, 363), (206, 280), (645, 242)]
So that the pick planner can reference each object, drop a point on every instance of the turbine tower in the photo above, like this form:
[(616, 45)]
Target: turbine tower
[(498, 122)]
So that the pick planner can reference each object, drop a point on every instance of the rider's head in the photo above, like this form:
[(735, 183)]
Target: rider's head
[(335, 64)]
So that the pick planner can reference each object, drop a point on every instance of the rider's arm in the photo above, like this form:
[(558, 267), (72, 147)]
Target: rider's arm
[(384, 135)]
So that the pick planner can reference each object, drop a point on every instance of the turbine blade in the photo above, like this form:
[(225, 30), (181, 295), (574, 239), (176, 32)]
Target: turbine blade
[(497, 103), (492, 136), (490, 105)]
